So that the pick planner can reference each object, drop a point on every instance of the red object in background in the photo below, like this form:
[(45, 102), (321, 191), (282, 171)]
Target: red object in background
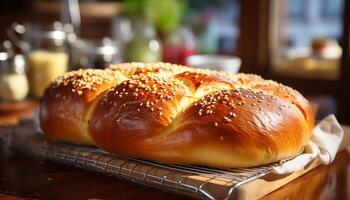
[(177, 54), (318, 44), (179, 45)]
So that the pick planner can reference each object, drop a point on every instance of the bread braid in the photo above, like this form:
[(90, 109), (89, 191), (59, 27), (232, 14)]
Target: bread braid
[(175, 114)]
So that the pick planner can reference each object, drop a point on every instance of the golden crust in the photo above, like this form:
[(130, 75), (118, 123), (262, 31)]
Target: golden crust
[(135, 110), (234, 128), (256, 83), (68, 101)]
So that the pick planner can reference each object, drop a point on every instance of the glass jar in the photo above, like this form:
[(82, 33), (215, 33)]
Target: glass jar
[(97, 53), (144, 45), (45, 48), (13, 80)]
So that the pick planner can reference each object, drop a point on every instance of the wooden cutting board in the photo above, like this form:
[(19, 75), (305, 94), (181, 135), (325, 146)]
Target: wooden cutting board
[(261, 187)]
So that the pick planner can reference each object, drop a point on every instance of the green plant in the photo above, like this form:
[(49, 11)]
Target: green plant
[(165, 15)]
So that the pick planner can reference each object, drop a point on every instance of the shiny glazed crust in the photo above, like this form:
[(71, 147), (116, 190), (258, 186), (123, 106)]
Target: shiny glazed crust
[(175, 114)]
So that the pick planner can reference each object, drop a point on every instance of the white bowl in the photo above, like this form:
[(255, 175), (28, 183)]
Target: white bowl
[(230, 64)]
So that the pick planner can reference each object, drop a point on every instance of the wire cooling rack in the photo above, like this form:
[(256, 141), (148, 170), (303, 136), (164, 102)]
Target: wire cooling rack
[(191, 181)]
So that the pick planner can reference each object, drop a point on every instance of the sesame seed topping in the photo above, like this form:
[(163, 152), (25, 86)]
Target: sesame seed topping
[(149, 89), (87, 79), (226, 119), (208, 112), (232, 114)]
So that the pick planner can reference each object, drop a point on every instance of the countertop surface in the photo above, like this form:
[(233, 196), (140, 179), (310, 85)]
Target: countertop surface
[(22, 176)]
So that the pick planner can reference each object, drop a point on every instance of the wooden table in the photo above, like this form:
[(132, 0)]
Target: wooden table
[(22, 177)]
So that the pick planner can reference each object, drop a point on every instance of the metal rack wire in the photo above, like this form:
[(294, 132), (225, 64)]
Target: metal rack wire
[(192, 181)]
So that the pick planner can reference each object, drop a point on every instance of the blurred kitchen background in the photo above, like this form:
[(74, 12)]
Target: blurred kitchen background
[(304, 44)]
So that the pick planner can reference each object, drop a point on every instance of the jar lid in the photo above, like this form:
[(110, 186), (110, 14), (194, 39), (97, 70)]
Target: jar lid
[(106, 46), (55, 31)]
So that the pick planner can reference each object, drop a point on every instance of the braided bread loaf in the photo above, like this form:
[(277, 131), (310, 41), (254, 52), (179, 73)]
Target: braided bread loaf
[(176, 114)]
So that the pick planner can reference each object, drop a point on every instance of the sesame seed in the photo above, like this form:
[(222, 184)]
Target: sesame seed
[(226, 119), (232, 114)]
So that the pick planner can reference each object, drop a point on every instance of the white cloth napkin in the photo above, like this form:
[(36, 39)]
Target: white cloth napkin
[(324, 143)]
